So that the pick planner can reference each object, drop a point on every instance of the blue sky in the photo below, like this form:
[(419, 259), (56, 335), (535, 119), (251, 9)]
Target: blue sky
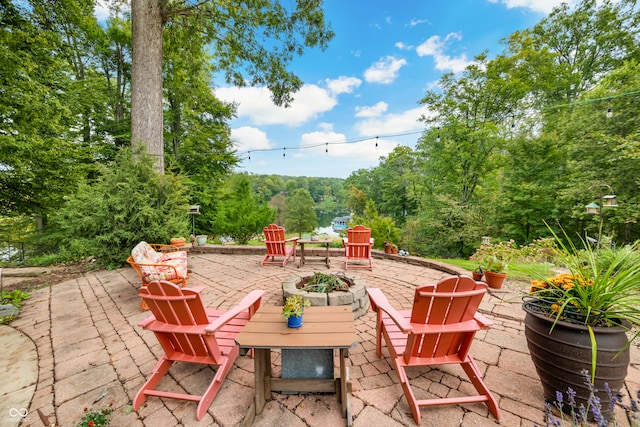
[(364, 89)]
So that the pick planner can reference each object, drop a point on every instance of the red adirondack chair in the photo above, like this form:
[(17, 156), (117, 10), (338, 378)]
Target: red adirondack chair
[(438, 330), (357, 248), (190, 333), (277, 246)]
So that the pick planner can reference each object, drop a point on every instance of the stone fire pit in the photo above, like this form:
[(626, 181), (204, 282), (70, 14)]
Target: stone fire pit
[(356, 296)]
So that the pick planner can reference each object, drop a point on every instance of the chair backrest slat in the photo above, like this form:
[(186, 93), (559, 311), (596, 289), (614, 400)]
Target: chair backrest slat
[(453, 300), (359, 241), (177, 306), (274, 239)]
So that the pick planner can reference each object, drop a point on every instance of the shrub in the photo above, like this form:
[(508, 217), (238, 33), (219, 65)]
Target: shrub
[(128, 203), (538, 251)]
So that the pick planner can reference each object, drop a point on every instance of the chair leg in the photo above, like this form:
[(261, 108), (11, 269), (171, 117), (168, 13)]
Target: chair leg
[(408, 393), (214, 387), (158, 372), (475, 377)]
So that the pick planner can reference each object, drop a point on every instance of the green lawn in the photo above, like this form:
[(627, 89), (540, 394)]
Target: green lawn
[(519, 272)]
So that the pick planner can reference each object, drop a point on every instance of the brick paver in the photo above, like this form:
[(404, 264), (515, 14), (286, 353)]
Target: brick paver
[(92, 353)]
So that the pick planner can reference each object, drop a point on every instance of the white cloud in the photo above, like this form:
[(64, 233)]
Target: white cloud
[(416, 21), (402, 46), (435, 46), (325, 127), (543, 6), (384, 71), (390, 124), (334, 145), (343, 84), (373, 110), (255, 103), (248, 138), (101, 10)]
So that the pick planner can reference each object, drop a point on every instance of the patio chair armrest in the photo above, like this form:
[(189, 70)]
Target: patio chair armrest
[(461, 327), (250, 302), (380, 302), (292, 239), (147, 321), (482, 321)]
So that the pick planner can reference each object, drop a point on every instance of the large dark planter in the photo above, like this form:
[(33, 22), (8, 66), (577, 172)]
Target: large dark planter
[(562, 354)]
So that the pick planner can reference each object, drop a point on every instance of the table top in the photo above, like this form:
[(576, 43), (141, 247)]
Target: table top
[(323, 327), (325, 241)]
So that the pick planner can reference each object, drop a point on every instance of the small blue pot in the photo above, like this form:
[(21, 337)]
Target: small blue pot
[(294, 321)]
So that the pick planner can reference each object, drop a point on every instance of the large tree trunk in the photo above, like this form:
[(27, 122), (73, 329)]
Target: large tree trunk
[(146, 78)]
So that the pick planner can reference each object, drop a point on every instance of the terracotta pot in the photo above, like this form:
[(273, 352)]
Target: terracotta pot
[(560, 355), (494, 280), (178, 241), (476, 275), (387, 249), (394, 250)]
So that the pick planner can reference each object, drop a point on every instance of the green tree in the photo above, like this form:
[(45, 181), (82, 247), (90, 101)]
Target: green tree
[(357, 200), (128, 203), (567, 52), (240, 216), (400, 183), (383, 228), (299, 215), (40, 161), (252, 43)]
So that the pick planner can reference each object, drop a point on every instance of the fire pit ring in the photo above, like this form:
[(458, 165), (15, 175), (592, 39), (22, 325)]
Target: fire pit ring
[(356, 296)]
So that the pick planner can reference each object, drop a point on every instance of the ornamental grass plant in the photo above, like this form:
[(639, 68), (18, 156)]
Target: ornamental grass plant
[(602, 287)]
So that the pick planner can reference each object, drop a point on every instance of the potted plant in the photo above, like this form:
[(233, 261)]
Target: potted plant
[(394, 248), (293, 308), (578, 321), (387, 247), (477, 273), (495, 271)]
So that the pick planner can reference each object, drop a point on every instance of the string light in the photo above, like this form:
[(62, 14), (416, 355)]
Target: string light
[(556, 108), (284, 152), (249, 152), (326, 150)]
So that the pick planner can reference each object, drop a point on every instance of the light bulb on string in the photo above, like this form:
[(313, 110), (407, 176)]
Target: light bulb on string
[(284, 152), (609, 113), (438, 137), (376, 142), (249, 152), (326, 149)]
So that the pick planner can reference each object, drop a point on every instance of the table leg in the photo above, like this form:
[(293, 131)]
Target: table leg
[(262, 372), (344, 389), (301, 255), (326, 256)]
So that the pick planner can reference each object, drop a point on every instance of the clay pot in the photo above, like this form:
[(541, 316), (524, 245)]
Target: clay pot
[(494, 280), (178, 241)]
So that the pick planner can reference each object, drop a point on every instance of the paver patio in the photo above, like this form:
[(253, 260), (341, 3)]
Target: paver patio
[(91, 354)]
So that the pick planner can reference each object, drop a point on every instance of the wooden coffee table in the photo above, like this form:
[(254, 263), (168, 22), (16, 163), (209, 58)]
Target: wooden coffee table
[(303, 256), (329, 327)]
